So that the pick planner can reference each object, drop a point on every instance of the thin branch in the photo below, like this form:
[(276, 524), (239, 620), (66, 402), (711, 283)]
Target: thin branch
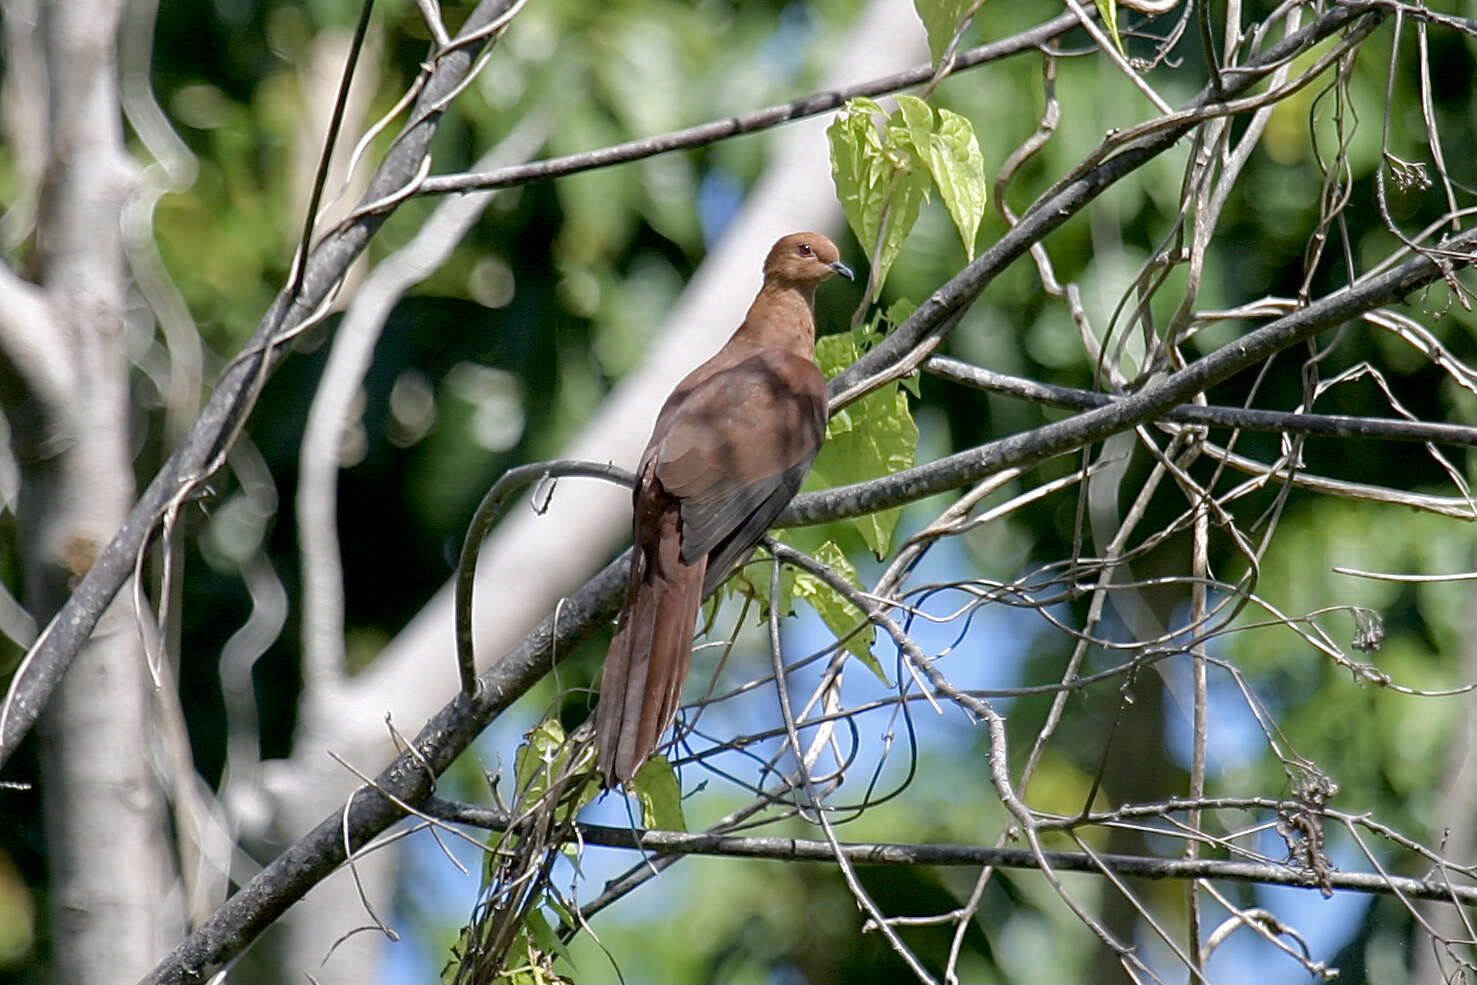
[(784, 848), (487, 514), (448, 732), (763, 119), (333, 401), (1052, 210)]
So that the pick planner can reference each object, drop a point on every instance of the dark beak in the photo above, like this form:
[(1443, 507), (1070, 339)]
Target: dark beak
[(842, 269)]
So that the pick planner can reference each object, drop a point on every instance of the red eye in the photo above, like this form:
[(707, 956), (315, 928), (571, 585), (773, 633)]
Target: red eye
[(804, 250)]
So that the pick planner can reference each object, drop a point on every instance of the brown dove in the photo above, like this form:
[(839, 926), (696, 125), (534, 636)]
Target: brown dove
[(730, 447)]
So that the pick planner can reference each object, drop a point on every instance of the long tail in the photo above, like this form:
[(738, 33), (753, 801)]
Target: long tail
[(649, 655)]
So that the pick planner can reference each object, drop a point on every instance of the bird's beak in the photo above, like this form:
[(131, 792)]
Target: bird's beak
[(842, 269)]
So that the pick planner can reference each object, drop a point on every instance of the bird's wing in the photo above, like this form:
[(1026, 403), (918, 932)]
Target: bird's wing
[(734, 447)]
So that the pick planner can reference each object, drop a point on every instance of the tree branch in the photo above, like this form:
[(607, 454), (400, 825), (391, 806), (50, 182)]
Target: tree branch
[(762, 119), (938, 315), (1123, 413), (1244, 418), (789, 849), (451, 729), (409, 778)]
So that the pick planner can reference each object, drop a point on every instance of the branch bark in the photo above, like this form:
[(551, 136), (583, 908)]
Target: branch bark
[(788, 849)]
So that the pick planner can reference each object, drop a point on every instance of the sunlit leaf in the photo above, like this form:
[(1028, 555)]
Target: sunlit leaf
[(912, 125), (543, 757), (859, 167), (873, 436), (959, 172), (881, 178)]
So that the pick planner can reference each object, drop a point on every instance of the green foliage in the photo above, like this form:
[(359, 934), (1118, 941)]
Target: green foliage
[(543, 768), (874, 436), (884, 173), (880, 184), (596, 258), (838, 613), (942, 19), (958, 170), (655, 786), (543, 758)]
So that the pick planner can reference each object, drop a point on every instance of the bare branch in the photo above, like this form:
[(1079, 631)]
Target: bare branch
[(785, 848), (763, 119)]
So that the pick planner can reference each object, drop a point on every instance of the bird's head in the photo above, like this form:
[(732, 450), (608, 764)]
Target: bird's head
[(804, 259)]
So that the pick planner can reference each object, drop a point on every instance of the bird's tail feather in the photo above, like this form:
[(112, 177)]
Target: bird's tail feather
[(648, 659)]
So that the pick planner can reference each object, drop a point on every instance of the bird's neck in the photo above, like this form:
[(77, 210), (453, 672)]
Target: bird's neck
[(783, 314)]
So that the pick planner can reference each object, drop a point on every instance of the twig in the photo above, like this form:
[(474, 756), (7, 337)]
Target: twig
[(784, 848)]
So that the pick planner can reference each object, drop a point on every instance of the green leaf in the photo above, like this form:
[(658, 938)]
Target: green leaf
[(655, 785), (751, 581), (1108, 10), (544, 757), (909, 189), (958, 169), (881, 178), (859, 167), (874, 436), (941, 19), (912, 125), (899, 311), (542, 935), (837, 613), (533, 761)]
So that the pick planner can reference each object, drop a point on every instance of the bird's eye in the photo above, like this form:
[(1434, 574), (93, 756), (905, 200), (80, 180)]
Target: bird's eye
[(804, 250)]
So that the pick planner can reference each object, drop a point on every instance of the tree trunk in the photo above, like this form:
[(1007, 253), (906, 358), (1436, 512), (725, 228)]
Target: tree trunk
[(114, 900)]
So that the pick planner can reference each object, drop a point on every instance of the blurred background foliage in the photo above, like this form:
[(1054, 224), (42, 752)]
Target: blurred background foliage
[(507, 349)]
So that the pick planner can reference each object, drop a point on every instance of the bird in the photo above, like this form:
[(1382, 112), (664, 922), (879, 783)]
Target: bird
[(730, 447)]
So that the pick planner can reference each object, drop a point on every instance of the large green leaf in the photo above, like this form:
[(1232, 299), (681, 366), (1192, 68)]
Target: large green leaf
[(874, 436), (858, 167), (883, 176), (958, 170), (880, 179)]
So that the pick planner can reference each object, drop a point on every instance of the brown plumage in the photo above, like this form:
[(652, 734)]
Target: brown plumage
[(730, 447)]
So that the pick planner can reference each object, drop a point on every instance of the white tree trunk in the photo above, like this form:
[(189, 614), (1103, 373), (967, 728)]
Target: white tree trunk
[(114, 900)]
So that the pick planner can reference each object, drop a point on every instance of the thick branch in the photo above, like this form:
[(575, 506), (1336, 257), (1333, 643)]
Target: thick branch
[(1243, 418), (1155, 400), (298, 869), (290, 875), (294, 872)]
